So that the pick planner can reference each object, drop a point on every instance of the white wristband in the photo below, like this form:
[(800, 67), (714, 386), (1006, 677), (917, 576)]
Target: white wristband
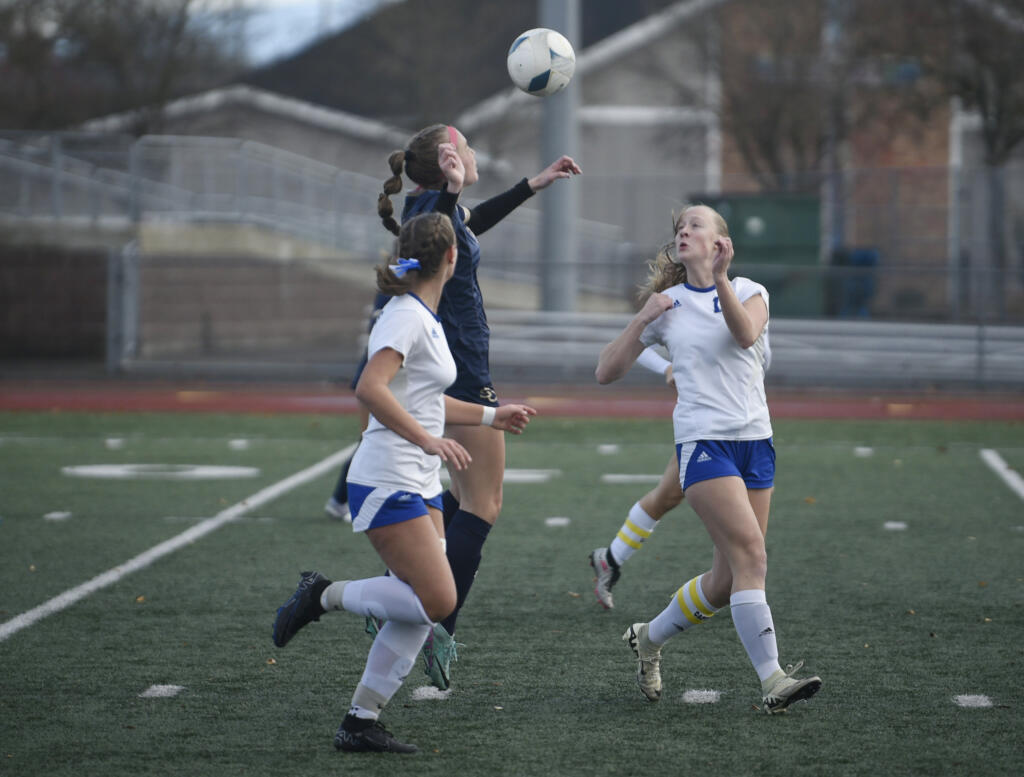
[(488, 417)]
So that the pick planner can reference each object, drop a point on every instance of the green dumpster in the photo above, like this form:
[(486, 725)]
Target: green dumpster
[(776, 237)]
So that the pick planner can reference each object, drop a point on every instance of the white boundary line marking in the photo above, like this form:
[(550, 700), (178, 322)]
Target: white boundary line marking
[(618, 478), (161, 691), (200, 530), (1001, 468), (978, 701)]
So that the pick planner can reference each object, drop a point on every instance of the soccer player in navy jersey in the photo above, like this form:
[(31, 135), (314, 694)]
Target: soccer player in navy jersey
[(441, 164)]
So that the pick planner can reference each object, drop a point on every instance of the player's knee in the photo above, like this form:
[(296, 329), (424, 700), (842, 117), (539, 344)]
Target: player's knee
[(439, 604), (752, 559), (488, 506)]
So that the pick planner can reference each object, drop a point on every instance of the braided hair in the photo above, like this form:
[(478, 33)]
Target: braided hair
[(418, 160)]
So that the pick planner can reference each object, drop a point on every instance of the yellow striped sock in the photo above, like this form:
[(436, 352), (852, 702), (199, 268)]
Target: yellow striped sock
[(692, 603), (635, 529), (687, 608)]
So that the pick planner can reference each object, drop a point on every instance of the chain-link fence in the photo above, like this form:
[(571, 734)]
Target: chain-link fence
[(290, 275)]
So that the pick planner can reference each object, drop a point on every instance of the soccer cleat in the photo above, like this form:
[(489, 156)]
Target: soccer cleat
[(366, 736), (338, 510), (301, 608), (607, 576), (439, 651), (648, 660), (782, 689), (373, 625)]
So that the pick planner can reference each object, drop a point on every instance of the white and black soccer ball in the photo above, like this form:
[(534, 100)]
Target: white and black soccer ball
[(541, 62)]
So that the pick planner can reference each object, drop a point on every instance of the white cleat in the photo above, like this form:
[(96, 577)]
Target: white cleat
[(648, 660), (605, 577), (782, 689)]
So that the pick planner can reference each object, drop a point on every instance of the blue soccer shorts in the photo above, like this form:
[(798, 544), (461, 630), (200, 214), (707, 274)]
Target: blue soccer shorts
[(372, 506), (752, 460)]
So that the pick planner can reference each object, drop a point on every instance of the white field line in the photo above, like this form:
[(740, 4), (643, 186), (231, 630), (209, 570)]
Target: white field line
[(1011, 477), (200, 530)]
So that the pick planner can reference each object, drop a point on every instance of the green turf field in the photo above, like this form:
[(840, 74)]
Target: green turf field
[(897, 621)]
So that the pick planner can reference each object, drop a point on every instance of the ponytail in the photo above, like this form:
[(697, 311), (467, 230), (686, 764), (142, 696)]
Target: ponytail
[(419, 162), (424, 238)]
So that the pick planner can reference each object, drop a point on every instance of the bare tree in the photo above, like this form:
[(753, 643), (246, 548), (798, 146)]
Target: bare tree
[(972, 50), (62, 61), (773, 93)]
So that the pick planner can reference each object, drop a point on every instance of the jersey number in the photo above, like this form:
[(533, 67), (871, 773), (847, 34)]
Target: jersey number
[(718, 308)]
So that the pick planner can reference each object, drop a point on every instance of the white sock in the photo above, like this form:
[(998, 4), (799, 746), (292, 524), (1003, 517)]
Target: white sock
[(382, 597), (687, 608), (753, 620), (636, 528), (391, 658)]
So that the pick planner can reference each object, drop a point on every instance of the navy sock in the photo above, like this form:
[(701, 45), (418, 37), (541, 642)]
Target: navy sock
[(341, 488), (449, 506), (465, 539)]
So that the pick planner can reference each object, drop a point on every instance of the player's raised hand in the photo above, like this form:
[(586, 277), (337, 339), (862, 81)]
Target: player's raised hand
[(722, 257), (451, 165), (655, 305), (563, 167)]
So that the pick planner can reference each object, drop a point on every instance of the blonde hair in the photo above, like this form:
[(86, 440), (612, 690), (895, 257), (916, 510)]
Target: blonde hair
[(426, 238), (418, 160), (664, 271)]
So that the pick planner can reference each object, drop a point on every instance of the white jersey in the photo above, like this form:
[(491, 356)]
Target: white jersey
[(720, 386), (384, 458)]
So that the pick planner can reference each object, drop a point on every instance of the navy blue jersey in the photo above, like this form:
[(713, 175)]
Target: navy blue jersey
[(462, 306)]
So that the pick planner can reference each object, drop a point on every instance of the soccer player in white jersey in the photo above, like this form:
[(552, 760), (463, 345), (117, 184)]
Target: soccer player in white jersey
[(394, 485), (716, 333), (643, 516)]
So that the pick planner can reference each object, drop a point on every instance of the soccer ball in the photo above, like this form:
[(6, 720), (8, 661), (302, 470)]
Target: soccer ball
[(541, 62)]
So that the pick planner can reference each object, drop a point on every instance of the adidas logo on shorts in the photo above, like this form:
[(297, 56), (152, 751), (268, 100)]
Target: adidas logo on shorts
[(703, 457)]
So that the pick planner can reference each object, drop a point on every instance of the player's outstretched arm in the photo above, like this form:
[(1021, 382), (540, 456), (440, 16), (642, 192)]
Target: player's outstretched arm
[(508, 418)]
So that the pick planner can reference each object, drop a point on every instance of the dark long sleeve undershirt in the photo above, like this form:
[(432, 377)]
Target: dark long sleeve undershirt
[(489, 212)]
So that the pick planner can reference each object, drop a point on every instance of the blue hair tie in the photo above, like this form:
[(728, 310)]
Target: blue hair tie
[(403, 266)]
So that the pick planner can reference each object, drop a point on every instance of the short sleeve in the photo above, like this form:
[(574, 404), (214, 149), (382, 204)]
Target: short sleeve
[(746, 288), (652, 334), (397, 330)]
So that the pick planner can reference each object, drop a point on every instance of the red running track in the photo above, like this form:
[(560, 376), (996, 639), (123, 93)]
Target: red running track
[(553, 400)]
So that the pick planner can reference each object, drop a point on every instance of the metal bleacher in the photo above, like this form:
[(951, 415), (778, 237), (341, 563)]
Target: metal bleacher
[(846, 353)]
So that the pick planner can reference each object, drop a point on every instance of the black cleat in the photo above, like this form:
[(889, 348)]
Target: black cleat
[(366, 736), (301, 608)]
